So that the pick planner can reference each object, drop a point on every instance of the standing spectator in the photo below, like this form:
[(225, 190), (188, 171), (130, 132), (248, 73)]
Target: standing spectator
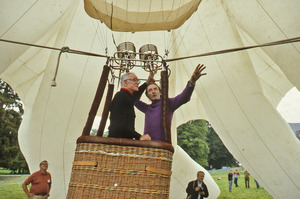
[(230, 175), (197, 189), (40, 183), (236, 176), (247, 174)]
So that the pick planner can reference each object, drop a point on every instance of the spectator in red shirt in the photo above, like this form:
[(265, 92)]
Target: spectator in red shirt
[(236, 176), (40, 183)]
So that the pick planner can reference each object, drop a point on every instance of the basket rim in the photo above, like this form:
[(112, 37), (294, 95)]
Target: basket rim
[(126, 142)]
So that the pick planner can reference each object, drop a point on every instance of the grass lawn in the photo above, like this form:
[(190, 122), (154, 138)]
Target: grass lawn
[(239, 192), (9, 190), (11, 185), (12, 191)]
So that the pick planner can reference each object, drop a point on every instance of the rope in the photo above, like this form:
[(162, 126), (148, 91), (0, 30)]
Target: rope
[(65, 49), (285, 41), (111, 23)]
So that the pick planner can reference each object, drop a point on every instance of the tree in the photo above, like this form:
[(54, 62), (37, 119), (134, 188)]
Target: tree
[(203, 145), (11, 111), (94, 133), (298, 134), (219, 155), (9, 99), (192, 137)]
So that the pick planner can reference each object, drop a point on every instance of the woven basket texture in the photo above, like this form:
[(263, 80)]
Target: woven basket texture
[(119, 172)]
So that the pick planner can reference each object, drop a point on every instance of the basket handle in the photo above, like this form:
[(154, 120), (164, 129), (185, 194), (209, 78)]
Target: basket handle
[(84, 163), (159, 171)]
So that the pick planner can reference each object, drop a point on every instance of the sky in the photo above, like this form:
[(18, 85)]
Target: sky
[(289, 107)]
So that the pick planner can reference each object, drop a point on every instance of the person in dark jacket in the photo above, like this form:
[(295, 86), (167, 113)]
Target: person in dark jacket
[(197, 189), (230, 176), (122, 115)]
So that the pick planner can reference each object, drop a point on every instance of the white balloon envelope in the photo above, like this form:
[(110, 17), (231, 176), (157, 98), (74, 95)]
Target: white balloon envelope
[(238, 96), (141, 15)]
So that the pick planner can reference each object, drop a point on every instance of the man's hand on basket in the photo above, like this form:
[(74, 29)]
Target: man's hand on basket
[(145, 137)]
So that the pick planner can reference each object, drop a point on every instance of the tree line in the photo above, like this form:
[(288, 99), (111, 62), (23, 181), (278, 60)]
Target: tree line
[(201, 142), (11, 111)]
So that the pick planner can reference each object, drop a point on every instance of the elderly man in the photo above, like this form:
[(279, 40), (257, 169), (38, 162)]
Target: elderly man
[(197, 189), (40, 183), (122, 113), (153, 124)]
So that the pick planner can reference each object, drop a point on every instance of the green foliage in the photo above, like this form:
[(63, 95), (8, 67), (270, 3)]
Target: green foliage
[(11, 111), (9, 99), (203, 145), (219, 155), (192, 137), (94, 133), (298, 134)]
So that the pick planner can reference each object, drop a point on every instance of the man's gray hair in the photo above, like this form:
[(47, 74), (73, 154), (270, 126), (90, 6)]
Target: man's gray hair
[(124, 77)]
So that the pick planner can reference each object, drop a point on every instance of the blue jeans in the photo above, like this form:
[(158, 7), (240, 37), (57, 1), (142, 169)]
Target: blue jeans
[(235, 182), (230, 185)]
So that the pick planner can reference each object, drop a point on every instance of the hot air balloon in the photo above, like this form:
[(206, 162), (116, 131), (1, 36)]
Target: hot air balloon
[(238, 97), (132, 16)]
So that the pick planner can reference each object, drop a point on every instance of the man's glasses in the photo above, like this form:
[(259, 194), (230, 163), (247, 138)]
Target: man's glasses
[(135, 80)]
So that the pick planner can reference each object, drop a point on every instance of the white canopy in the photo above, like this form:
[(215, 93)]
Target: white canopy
[(141, 15), (238, 96)]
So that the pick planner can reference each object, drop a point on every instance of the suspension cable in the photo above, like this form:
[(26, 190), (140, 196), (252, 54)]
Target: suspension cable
[(65, 49), (68, 50), (285, 41)]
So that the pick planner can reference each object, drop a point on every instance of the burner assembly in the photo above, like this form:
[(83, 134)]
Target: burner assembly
[(127, 58)]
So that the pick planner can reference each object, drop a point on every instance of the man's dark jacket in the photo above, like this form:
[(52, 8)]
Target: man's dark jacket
[(191, 190), (122, 114)]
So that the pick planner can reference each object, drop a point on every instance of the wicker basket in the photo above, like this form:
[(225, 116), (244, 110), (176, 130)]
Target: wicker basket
[(120, 168)]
